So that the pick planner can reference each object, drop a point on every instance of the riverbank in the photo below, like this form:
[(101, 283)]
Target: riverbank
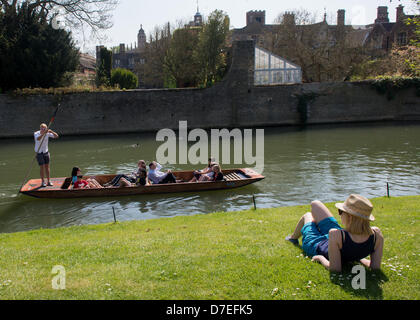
[(225, 255)]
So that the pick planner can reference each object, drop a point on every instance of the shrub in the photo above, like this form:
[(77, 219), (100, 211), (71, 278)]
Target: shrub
[(124, 79)]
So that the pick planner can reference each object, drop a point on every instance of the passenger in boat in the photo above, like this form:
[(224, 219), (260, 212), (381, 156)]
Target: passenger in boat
[(142, 179), (132, 178), (78, 182), (331, 245), (199, 174), (158, 177), (218, 175)]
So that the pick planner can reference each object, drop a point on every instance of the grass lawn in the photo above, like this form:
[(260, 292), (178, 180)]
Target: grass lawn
[(226, 255)]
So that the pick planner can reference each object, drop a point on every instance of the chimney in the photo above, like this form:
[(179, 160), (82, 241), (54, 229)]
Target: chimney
[(382, 15), (341, 17), (122, 48), (400, 13)]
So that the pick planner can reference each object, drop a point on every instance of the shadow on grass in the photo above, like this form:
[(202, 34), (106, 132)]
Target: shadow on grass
[(351, 282), (373, 284)]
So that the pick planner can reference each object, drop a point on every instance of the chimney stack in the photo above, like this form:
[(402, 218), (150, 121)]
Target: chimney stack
[(400, 13), (382, 15), (341, 17)]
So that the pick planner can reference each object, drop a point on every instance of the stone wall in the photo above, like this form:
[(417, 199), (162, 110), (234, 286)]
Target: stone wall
[(234, 102)]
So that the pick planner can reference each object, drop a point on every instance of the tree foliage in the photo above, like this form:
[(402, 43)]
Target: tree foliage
[(124, 79), (103, 69), (77, 14), (189, 57), (181, 66), (32, 52), (152, 72), (211, 50)]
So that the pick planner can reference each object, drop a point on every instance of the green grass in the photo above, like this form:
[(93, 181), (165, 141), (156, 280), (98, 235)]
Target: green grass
[(234, 255)]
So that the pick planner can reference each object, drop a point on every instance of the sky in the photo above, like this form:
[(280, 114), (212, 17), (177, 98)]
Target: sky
[(130, 14)]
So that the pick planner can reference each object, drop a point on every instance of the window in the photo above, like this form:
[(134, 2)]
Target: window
[(272, 70), (402, 39)]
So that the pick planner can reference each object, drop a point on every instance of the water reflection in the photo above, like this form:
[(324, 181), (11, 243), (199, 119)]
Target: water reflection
[(323, 162)]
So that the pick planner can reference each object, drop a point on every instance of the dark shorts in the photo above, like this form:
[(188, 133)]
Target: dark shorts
[(43, 158), (313, 234)]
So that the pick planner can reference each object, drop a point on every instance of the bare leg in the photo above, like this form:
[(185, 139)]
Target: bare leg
[(93, 183), (47, 172), (124, 183), (319, 211), (41, 172), (306, 218)]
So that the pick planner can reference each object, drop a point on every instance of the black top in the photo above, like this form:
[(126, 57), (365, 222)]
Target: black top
[(350, 250), (218, 177)]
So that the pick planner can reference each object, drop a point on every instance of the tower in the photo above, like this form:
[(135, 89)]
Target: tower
[(141, 39), (255, 17), (198, 18)]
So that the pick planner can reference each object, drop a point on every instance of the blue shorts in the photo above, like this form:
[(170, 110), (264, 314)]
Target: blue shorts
[(313, 234)]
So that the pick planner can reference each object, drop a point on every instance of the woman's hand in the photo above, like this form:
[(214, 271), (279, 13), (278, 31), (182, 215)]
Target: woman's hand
[(317, 258), (322, 260)]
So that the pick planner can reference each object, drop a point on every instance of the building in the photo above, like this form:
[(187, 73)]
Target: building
[(382, 34), (86, 71)]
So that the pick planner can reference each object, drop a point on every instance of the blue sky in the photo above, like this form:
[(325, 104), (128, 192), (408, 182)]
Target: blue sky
[(130, 14)]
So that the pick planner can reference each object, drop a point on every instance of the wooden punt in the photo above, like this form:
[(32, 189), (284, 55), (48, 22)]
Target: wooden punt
[(233, 178)]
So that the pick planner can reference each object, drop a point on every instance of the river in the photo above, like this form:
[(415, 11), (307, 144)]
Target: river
[(320, 162)]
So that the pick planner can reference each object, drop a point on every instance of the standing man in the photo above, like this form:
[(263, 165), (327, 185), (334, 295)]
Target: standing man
[(41, 148)]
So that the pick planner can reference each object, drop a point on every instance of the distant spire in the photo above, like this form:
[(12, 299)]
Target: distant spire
[(325, 14), (197, 7)]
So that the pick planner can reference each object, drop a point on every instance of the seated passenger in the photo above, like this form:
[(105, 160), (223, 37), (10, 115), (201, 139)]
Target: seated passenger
[(79, 183), (158, 177), (142, 179), (218, 175), (141, 165), (198, 174)]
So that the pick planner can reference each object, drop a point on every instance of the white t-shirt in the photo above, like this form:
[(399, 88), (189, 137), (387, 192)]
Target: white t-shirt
[(44, 147)]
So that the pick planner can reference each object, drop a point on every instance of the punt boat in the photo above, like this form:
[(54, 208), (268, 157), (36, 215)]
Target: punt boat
[(61, 187)]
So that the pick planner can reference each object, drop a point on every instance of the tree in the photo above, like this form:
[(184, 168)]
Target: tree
[(124, 78), (211, 49), (321, 52), (32, 52), (78, 14), (103, 69), (181, 67), (152, 72)]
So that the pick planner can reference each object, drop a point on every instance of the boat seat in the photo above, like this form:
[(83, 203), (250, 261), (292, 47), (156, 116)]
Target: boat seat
[(66, 184), (233, 176)]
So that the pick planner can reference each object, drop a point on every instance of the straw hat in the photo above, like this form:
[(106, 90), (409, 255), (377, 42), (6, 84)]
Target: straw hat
[(358, 206)]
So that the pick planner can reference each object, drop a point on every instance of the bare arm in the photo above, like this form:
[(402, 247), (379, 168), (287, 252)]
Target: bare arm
[(334, 244), (53, 133), (376, 257)]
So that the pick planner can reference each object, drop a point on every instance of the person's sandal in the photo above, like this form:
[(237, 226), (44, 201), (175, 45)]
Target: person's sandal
[(294, 241)]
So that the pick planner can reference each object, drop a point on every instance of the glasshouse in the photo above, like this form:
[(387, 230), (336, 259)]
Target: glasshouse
[(271, 69)]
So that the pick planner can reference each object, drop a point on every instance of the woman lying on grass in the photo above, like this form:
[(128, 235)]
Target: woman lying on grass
[(328, 243)]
